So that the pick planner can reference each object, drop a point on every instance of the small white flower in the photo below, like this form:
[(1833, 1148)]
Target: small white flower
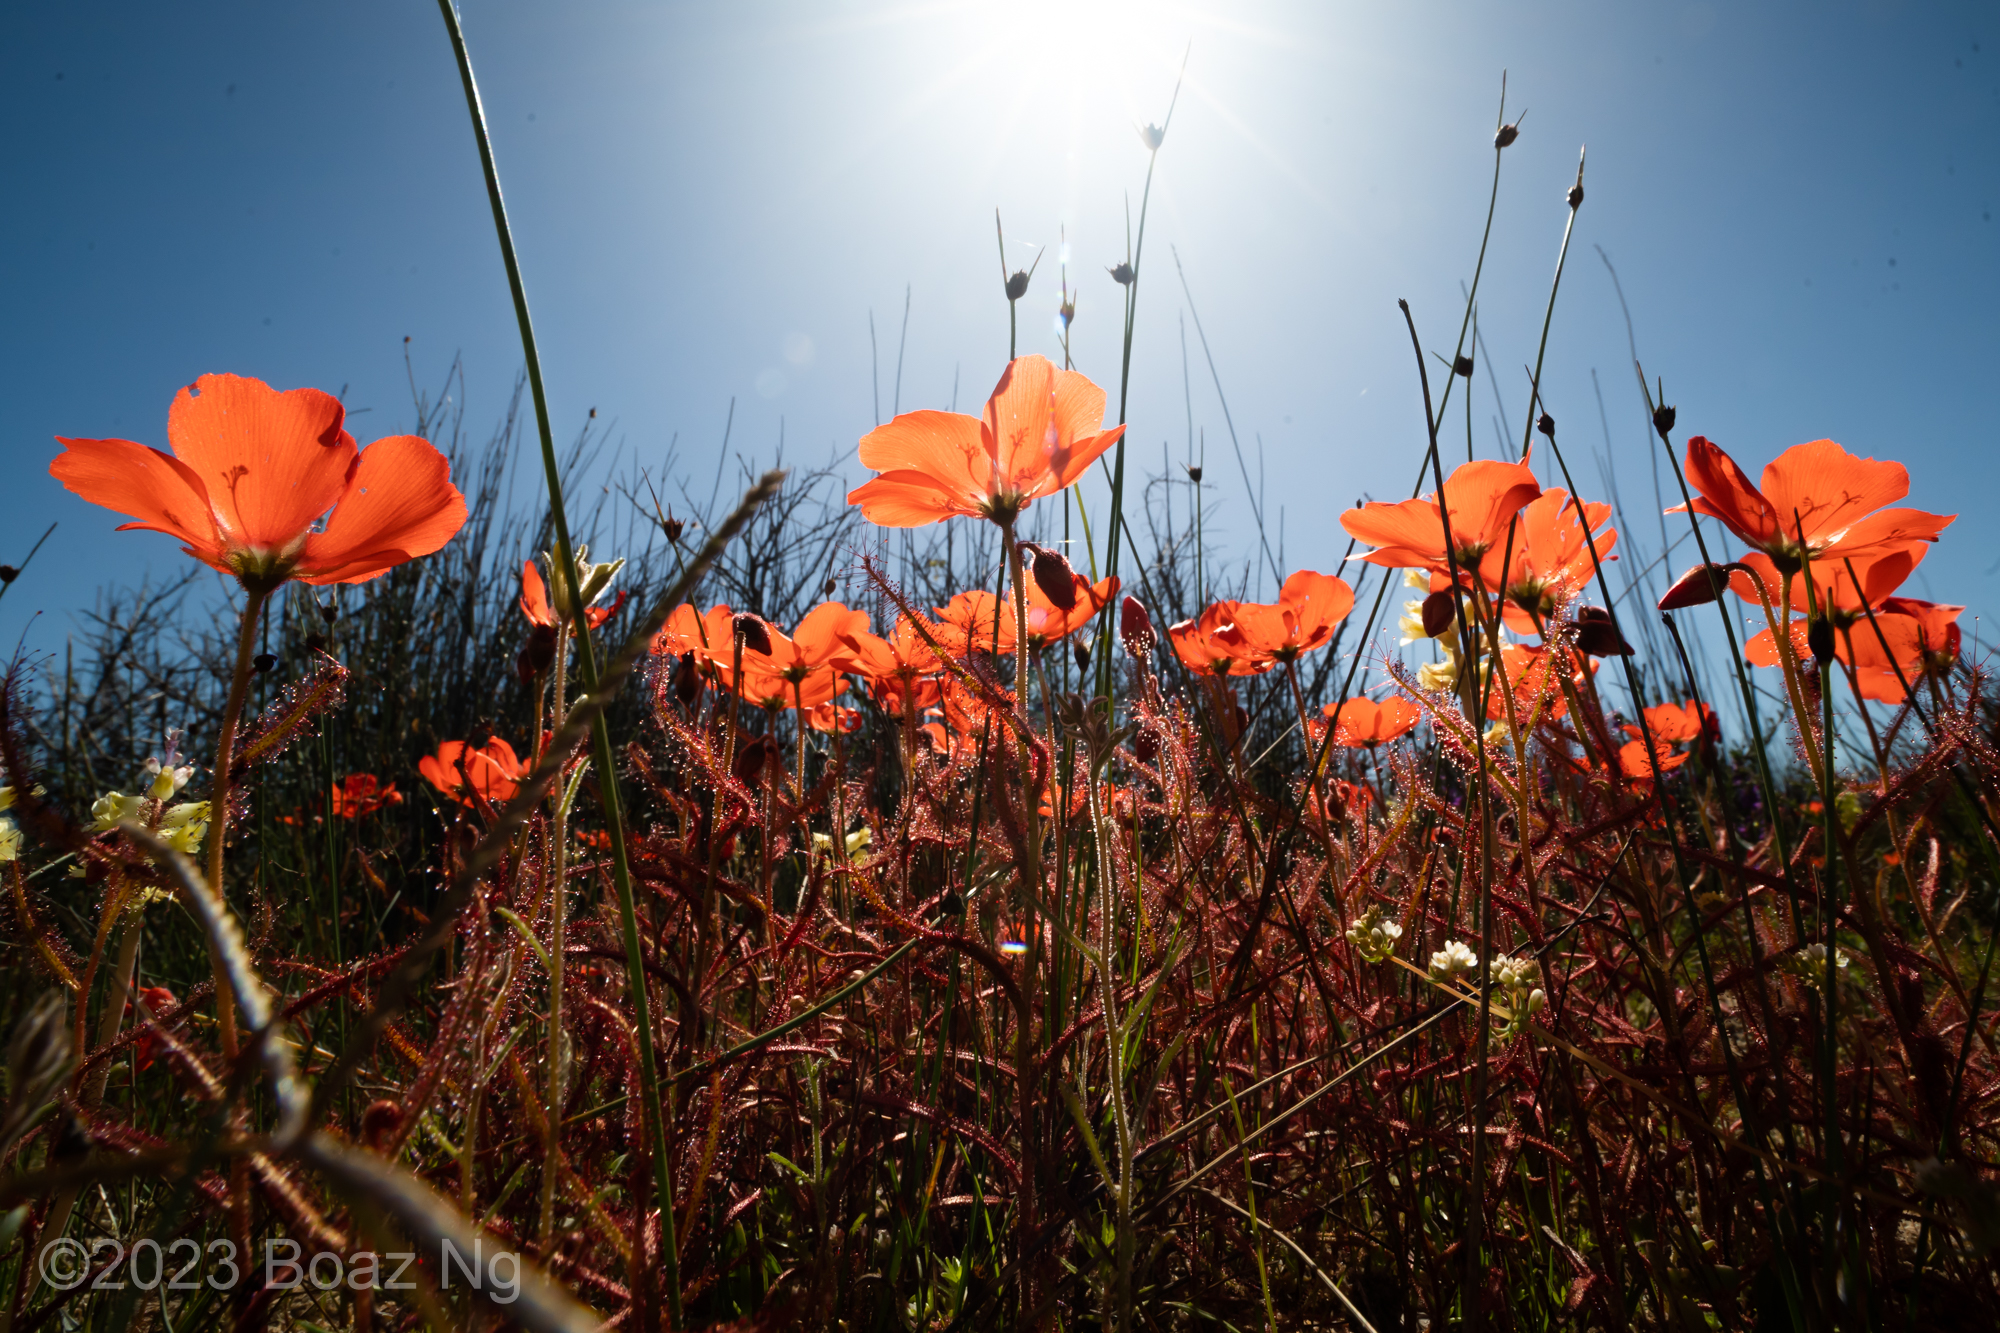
[(167, 781), (1417, 578), (7, 797), (1373, 937), (1453, 961), (1809, 963), (10, 840)]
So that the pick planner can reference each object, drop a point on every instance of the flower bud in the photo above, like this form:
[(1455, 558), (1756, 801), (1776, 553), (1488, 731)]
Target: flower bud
[(1122, 274), (1194, 473), (264, 663), (1697, 587), (687, 681), (1819, 637), (1546, 424), (8, 574), (1147, 745), (1440, 609), (1152, 136), (1017, 285), (329, 612), (1066, 311), (1054, 577), (1663, 420), (536, 653), (1135, 629), (1597, 634), (315, 643), (1081, 649), (752, 633), (751, 758), (673, 527), (1462, 366), (831, 584), (951, 904), (1506, 134)]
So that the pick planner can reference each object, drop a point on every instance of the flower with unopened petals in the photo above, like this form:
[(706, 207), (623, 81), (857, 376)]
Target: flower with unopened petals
[(1373, 935), (252, 473)]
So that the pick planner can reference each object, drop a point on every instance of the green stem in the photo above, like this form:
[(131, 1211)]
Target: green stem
[(587, 664)]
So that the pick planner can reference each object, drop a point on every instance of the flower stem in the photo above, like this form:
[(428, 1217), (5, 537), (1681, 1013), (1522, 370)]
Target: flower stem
[(218, 813)]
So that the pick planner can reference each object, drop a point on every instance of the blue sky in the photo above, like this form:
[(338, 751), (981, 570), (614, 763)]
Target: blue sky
[(710, 201)]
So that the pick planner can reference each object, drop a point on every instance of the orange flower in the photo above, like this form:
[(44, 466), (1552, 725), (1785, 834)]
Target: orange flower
[(1302, 619), (892, 694), (363, 794), (1049, 623), (967, 624), (1527, 667), (158, 1000), (1881, 573), (1816, 490), (1636, 764), (1923, 640), (462, 773), (899, 669), (1482, 496), (1363, 722), (535, 602), (1551, 561), (805, 668), (252, 471), (1678, 722), (824, 718), (1039, 432), (710, 637), (1209, 645)]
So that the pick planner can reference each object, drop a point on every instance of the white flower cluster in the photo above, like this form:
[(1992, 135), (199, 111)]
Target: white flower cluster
[(1519, 982), (1453, 961), (1373, 936)]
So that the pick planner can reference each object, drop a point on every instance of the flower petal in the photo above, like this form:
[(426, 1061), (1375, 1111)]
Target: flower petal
[(941, 445), (401, 505), (1820, 487), (535, 596), (1726, 494), (158, 491), (908, 498), (271, 462)]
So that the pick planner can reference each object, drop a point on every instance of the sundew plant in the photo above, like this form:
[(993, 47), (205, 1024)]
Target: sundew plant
[(944, 903)]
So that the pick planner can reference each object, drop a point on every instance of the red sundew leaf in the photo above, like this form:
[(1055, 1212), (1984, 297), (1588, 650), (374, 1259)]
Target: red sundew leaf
[(290, 716)]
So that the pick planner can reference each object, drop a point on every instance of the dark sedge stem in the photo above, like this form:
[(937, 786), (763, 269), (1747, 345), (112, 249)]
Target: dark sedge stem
[(587, 669), (1475, 1212), (1717, 586), (1549, 314)]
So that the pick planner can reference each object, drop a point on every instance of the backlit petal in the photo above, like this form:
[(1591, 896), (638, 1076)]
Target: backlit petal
[(271, 462), (158, 491), (1820, 488), (908, 499), (401, 505)]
